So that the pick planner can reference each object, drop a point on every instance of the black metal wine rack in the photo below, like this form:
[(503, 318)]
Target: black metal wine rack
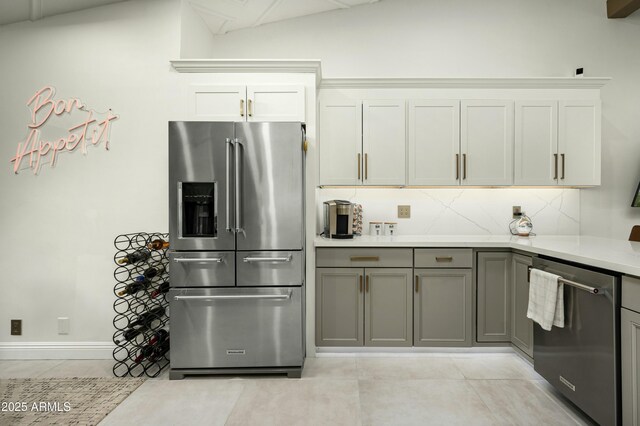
[(129, 307)]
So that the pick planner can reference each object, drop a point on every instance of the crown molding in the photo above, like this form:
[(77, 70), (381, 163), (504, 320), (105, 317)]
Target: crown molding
[(467, 83), (250, 65)]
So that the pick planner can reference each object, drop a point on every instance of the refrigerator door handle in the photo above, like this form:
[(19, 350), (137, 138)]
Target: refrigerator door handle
[(229, 145), (237, 297), (198, 259), (267, 259), (238, 185)]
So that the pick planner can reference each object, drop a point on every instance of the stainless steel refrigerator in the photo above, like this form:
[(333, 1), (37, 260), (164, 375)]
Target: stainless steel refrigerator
[(236, 225)]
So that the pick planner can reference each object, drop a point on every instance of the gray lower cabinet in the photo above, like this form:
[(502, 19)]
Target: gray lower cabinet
[(388, 307), (339, 307), (521, 326), (494, 297), (442, 307), (364, 306), (630, 348)]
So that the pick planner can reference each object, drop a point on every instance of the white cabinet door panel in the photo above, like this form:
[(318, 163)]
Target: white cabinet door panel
[(536, 143), (487, 142), (434, 142), (579, 142), (384, 142), (217, 103), (340, 143), (275, 103)]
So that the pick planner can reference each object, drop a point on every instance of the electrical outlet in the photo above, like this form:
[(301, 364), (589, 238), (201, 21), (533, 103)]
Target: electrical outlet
[(16, 327), (517, 212), (404, 212), (63, 325)]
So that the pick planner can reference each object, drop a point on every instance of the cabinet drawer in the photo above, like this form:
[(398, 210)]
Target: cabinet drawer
[(631, 293), (364, 257), (443, 258)]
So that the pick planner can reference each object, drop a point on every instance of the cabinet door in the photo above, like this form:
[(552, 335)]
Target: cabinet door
[(494, 297), (340, 143), (486, 142), (388, 307), (434, 143), (384, 142), (521, 326), (275, 103), (339, 307), (630, 340), (218, 103), (536, 143), (579, 142), (442, 307)]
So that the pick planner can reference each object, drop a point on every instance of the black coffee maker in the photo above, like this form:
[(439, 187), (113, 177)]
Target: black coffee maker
[(338, 219)]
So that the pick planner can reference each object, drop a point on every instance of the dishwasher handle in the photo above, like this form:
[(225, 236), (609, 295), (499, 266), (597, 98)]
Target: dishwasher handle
[(580, 286)]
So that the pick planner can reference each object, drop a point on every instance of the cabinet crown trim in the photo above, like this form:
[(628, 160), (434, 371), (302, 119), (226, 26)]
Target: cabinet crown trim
[(481, 83), (249, 65)]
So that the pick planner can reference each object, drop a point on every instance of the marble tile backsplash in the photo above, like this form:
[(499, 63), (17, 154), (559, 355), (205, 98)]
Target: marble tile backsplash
[(458, 211)]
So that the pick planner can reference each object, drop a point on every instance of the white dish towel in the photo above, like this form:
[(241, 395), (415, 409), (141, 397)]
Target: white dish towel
[(546, 300)]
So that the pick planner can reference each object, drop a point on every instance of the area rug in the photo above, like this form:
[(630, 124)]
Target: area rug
[(71, 401)]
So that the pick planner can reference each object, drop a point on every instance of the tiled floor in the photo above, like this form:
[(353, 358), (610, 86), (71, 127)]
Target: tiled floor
[(439, 389)]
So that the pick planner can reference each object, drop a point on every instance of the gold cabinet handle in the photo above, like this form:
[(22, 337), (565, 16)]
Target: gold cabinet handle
[(464, 166), (366, 286), (366, 166), (562, 157), (444, 258), (417, 283), (555, 167), (358, 166), (457, 166), (360, 283), (250, 108), (364, 258), (241, 107)]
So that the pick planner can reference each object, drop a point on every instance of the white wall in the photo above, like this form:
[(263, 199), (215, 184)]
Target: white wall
[(57, 228), (491, 38)]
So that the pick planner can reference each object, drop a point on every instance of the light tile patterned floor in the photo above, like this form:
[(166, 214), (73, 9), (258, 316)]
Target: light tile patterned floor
[(465, 389)]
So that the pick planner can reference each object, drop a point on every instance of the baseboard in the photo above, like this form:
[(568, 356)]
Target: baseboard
[(329, 352), (56, 350)]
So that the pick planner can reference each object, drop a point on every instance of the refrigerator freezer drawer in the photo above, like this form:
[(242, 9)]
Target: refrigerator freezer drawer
[(270, 268), (235, 328), (202, 269)]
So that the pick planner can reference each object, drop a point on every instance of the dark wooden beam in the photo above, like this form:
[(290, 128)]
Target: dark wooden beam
[(621, 8)]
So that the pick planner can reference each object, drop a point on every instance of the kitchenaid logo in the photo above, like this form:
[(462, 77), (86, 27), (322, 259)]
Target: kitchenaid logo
[(235, 351), (72, 127)]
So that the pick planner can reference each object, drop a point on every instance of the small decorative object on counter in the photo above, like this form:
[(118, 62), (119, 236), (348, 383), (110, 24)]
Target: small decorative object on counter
[(522, 226), (375, 228), (357, 219), (390, 228)]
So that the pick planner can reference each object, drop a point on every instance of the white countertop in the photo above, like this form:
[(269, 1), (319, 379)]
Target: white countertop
[(616, 255)]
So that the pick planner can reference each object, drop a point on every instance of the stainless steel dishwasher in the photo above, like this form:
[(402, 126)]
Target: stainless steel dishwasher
[(582, 359)]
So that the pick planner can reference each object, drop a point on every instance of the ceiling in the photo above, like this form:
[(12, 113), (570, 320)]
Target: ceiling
[(22, 10), (222, 16)]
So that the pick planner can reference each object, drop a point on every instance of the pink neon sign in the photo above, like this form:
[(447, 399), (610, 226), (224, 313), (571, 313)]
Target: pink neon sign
[(43, 106)]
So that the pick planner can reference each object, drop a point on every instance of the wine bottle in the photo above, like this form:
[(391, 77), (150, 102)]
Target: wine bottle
[(146, 318), (131, 333), (145, 352), (134, 287), (159, 350), (135, 257), (162, 288), (159, 336), (158, 244)]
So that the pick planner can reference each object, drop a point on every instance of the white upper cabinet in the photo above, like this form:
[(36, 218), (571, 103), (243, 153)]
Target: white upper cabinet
[(434, 143), (218, 103), (384, 142), (486, 142), (248, 103), (536, 143), (275, 103), (579, 142), (340, 143)]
